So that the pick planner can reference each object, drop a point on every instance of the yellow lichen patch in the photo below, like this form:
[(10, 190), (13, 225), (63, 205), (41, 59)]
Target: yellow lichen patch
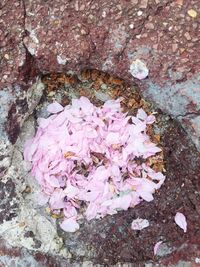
[(192, 13)]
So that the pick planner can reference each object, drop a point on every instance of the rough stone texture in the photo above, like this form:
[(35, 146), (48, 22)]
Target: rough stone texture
[(33, 237), (57, 36), (39, 37)]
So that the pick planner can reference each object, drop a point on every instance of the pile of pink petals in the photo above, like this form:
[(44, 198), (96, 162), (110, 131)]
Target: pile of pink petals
[(85, 160)]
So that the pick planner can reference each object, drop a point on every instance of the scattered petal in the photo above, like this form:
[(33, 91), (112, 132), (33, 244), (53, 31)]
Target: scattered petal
[(69, 225), (55, 108), (156, 247), (83, 154), (139, 224), (181, 221)]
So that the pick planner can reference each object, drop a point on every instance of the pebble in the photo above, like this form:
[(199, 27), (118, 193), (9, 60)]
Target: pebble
[(139, 13), (187, 36), (192, 13), (6, 56), (149, 26), (138, 69)]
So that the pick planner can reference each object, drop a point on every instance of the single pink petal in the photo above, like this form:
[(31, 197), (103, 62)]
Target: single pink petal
[(141, 114), (54, 107), (70, 211), (42, 198), (91, 211), (52, 180), (86, 105), (112, 138), (71, 191), (139, 224), (181, 221), (125, 202), (69, 225), (112, 105), (147, 196), (28, 153), (43, 123), (57, 199), (150, 119), (156, 247)]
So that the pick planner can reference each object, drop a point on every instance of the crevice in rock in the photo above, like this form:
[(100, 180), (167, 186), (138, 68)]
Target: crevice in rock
[(29, 71), (197, 113)]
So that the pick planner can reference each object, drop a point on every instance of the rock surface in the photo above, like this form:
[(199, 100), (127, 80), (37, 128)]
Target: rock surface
[(44, 37), (39, 37), (36, 236)]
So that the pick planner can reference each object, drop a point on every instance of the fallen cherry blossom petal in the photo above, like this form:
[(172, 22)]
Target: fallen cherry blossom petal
[(69, 225), (156, 247), (181, 221), (83, 154), (139, 224), (54, 107)]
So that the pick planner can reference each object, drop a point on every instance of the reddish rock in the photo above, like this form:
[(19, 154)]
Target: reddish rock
[(39, 37), (11, 35), (58, 36)]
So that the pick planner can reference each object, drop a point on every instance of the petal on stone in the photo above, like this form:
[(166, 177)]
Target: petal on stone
[(181, 221), (69, 225), (156, 247), (139, 224), (54, 108)]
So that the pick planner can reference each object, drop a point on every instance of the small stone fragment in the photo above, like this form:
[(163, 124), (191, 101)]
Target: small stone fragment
[(139, 13), (6, 56), (187, 36), (192, 13), (149, 26), (138, 69)]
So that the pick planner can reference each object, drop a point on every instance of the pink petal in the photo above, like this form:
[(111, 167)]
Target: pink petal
[(181, 221), (150, 119), (125, 202), (43, 123), (139, 224), (141, 114), (156, 247), (52, 180), (54, 107), (42, 199), (112, 138), (91, 211), (69, 225), (71, 191)]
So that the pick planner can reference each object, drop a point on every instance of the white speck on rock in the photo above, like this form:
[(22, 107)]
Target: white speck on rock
[(131, 26), (33, 36), (61, 60), (138, 69), (197, 260), (139, 13), (104, 14), (31, 50)]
